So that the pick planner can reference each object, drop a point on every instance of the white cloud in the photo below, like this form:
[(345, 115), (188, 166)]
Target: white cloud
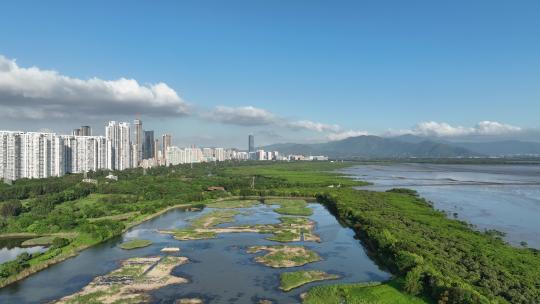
[(252, 116), (36, 93), (313, 126), (243, 116), (345, 134), (495, 128), (442, 129)]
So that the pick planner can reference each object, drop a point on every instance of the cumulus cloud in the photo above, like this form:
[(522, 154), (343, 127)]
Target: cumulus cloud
[(345, 134), (36, 93), (313, 126), (252, 116), (242, 116), (442, 129)]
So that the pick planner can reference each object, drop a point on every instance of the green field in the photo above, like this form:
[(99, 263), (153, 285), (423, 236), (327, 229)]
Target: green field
[(134, 244), (374, 293), (291, 207)]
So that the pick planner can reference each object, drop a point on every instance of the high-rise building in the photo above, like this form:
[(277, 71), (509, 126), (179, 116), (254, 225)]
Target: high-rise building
[(138, 142), (148, 151), (166, 141), (85, 131), (84, 153), (156, 149), (119, 154), (219, 154), (30, 155), (251, 143)]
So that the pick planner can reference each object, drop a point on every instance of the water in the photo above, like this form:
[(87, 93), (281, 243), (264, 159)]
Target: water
[(501, 197), (220, 270), (10, 248)]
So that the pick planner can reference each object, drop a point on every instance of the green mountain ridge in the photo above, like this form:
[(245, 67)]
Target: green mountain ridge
[(369, 146)]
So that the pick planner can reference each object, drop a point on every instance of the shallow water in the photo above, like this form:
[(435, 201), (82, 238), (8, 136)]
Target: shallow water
[(220, 270), (501, 197), (10, 248)]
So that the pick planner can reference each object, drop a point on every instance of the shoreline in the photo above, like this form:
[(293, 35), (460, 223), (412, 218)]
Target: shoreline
[(75, 251)]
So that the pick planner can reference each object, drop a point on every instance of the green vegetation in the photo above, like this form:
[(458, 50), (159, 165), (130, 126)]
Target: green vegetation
[(291, 207), (134, 244), (361, 293), (284, 256), (291, 280), (232, 204), (436, 257), (186, 234), (40, 241)]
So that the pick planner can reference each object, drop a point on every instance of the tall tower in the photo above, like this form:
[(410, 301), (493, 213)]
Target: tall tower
[(167, 142), (156, 149), (138, 141), (251, 143), (119, 147), (148, 150)]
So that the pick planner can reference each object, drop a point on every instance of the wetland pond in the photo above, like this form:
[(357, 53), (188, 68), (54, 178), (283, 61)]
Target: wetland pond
[(11, 247), (219, 270)]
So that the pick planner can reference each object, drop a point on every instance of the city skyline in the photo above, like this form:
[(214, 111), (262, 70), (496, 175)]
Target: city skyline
[(477, 78), (125, 145)]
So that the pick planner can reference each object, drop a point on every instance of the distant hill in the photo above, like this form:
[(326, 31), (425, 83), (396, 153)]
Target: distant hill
[(374, 147), (490, 148), (500, 148)]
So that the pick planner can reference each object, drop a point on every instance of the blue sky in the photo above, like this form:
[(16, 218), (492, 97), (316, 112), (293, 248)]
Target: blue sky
[(365, 66)]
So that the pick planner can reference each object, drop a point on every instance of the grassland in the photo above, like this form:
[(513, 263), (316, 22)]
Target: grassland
[(361, 293), (291, 206), (291, 280), (134, 244), (39, 241), (283, 256)]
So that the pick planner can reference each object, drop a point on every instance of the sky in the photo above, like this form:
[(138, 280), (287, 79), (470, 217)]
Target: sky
[(212, 72)]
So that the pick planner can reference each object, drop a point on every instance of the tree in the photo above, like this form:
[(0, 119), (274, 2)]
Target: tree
[(10, 208)]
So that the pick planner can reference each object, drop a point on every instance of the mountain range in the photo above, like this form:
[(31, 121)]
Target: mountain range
[(407, 146)]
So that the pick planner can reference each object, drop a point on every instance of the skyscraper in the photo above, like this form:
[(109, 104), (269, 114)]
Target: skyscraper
[(118, 145), (148, 151), (138, 142), (156, 149), (251, 143), (166, 141)]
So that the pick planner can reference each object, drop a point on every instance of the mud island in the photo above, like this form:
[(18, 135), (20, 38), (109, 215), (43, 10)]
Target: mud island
[(131, 282), (283, 256)]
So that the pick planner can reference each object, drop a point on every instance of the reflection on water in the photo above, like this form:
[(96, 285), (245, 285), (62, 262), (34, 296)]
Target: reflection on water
[(10, 248), (502, 197), (220, 270)]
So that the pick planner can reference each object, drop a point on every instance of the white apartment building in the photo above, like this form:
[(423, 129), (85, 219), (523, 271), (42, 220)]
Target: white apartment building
[(219, 154), (30, 155), (119, 155), (84, 153)]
